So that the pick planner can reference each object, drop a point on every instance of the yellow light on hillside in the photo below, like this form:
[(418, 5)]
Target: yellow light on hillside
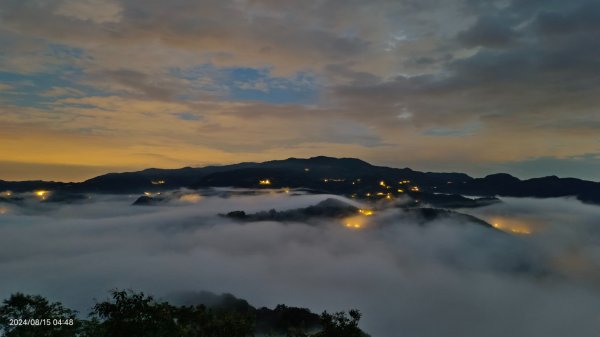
[(514, 229), (366, 212), (41, 194), (264, 182), (355, 222), (191, 198)]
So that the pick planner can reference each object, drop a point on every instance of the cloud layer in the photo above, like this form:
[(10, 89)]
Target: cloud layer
[(446, 278)]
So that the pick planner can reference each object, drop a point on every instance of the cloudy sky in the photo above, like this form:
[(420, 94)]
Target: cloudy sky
[(91, 86)]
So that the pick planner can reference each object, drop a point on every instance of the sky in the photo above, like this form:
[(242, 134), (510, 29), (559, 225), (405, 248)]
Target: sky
[(95, 86), (445, 278)]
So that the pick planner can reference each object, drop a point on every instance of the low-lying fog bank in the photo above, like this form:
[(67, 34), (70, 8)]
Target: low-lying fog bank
[(444, 278)]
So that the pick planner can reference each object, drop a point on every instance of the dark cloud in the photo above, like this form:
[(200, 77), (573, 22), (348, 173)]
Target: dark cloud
[(583, 19), (139, 81), (522, 69), (488, 32), (346, 73)]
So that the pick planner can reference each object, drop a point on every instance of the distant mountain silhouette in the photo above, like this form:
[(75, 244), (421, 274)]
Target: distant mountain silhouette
[(345, 176)]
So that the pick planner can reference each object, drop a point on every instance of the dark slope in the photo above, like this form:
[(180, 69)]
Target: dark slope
[(152, 179), (347, 176), (279, 321), (329, 208), (26, 186), (545, 187), (337, 209)]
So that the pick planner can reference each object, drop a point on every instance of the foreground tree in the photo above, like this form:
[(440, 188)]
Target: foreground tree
[(131, 314), (33, 316), (340, 324)]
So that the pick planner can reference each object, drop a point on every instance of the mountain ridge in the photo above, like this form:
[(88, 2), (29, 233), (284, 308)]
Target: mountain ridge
[(349, 176)]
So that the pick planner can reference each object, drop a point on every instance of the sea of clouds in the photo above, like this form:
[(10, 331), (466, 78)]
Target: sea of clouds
[(446, 278)]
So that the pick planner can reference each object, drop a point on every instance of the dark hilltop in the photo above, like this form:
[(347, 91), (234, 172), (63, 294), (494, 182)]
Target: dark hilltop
[(343, 176)]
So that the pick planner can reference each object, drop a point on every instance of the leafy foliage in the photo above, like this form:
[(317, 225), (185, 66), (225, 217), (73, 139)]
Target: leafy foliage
[(135, 314), (340, 325), (21, 316), (131, 314)]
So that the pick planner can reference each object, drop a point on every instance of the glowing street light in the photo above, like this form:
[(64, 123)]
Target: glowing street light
[(42, 194), (366, 212)]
